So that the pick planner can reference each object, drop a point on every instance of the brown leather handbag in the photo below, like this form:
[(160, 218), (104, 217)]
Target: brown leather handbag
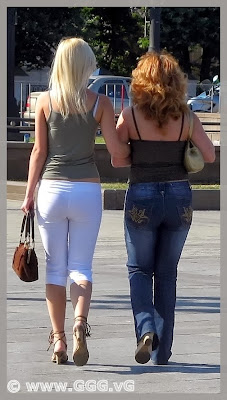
[(25, 262)]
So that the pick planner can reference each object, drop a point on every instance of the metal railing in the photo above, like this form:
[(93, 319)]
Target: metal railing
[(22, 91), (16, 127), (115, 91), (17, 124)]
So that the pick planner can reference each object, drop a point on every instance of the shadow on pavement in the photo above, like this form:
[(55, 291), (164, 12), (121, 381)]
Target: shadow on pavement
[(184, 368), (183, 303)]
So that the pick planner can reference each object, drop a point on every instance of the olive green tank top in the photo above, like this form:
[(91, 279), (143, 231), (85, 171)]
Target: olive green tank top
[(71, 144)]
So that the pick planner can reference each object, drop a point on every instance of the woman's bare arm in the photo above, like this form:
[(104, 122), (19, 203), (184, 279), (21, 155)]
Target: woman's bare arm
[(38, 155), (114, 145), (202, 141)]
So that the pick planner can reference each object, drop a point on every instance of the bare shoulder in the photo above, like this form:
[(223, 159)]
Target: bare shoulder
[(127, 113), (105, 107), (44, 96), (196, 119), (104, 100), (43, 99), (197, 124), (91, 95)]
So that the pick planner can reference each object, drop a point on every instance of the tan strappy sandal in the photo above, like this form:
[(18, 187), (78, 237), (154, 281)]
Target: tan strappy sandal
[(59, 357), (80, 350)]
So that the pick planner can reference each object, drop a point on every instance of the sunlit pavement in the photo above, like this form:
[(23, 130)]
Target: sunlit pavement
[(194, 365)]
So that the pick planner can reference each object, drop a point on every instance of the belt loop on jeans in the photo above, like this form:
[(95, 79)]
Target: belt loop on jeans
[(162, 187)]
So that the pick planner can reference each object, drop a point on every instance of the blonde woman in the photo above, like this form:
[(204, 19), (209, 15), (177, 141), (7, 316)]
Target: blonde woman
[(158, 205), (69, 203)]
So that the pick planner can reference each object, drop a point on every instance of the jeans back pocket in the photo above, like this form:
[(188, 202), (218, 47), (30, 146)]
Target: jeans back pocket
[(139, 213)]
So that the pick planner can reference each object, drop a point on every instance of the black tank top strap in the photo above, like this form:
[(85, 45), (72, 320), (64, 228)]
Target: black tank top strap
[(182, 124), (134, 119)]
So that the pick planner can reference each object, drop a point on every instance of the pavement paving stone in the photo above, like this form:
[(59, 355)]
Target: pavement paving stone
[(195, 364)]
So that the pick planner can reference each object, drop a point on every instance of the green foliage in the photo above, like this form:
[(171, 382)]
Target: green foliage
[(143, 43), (116, 35), (39, 30), (99, 140), (184, 28), (111, 32)]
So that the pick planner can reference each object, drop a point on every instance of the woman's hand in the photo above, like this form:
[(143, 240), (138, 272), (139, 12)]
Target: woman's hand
[(28, 204), (121, 162)]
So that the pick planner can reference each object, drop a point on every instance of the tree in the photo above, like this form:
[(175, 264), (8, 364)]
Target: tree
[(110, 32), (38, 31), (116, 35), (12, 109), (113, 34), (208, 32), (184, 28)]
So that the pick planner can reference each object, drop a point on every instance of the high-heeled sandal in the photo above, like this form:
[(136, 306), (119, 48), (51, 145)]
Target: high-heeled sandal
[(80, 350), (144, 348), (59, 357)]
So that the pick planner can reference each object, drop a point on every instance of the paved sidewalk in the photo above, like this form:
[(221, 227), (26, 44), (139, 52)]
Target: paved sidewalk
[(194, 366)]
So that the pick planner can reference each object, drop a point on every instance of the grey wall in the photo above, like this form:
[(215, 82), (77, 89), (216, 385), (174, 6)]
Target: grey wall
[(18, 154), (201, 199)]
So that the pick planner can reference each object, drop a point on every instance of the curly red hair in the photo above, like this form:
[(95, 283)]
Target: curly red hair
[(159, 86)]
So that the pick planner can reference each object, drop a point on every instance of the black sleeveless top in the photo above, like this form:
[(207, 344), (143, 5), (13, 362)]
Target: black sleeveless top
[(157, 161)]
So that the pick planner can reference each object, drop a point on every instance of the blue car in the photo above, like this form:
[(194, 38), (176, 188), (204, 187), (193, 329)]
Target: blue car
[(206, 102)]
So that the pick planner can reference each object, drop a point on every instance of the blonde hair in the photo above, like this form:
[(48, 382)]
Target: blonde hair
[(73, 63), (159, 87)]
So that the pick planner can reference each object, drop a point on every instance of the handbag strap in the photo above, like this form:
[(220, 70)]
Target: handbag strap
[(28, 224), (32, 227), (22, 227), (181, 129), (191, 120)]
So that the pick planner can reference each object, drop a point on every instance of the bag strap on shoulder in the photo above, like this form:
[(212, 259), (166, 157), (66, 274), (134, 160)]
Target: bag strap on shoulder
[(191, 120), (181, 129)]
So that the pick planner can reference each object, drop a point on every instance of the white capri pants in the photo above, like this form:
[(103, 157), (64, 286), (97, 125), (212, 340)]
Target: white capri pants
[(69, 216)]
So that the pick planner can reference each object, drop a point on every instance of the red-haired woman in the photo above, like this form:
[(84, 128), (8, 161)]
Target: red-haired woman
[(158, 205)]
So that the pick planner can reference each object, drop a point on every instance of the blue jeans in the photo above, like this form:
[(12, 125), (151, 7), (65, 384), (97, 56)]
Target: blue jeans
[(157, 219)]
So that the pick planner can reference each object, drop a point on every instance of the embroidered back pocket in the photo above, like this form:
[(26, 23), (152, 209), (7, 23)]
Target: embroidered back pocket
[(139, 214), (185, 214)]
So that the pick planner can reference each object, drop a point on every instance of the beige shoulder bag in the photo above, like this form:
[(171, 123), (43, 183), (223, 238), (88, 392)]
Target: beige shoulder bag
[(193, 159)]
